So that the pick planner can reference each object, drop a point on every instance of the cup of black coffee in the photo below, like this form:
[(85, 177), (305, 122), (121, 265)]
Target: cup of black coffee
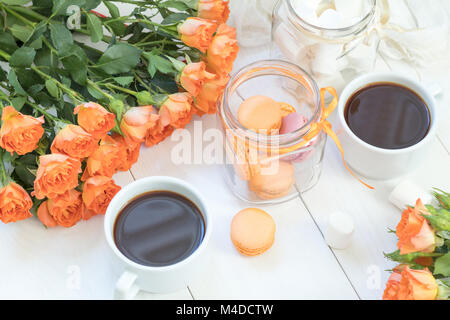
[(385, 123), (158, 229)]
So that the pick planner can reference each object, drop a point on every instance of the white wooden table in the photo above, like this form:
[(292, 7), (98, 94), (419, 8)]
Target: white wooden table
[(59, 263)]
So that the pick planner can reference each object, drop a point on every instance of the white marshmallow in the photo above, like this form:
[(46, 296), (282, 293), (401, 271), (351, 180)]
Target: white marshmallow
[(339, 231), (406, 194)]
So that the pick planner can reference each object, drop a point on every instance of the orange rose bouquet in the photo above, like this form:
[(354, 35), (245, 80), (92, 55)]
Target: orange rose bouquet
[(423, 253), (72, 116)]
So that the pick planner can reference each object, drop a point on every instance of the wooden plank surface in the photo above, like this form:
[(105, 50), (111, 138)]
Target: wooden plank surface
[(299, 265), (75, 264)]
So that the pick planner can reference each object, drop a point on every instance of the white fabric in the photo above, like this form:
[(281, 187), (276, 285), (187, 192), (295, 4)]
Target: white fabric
[(417, 32)]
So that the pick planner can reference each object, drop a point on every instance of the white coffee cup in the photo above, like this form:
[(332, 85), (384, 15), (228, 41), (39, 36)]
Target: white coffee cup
[(374, 162), (162, 279)]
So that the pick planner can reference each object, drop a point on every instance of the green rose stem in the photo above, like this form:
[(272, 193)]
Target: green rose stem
[(71, 93), (99, 90), (42, 111), (28, 12), (18, 16), (139, 79), (4, 177), (113, 86), (75, 96)]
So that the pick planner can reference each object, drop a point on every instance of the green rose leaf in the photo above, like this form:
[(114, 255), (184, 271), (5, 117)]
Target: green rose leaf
[(74, 60), (179, 5), (92, 4), (18, 102), (158, 63), (124, 81), (46, 57), (15, 2), (119, 58), (175, 18), (60, 6), (442, 265), (26, 174), (22, 57), (52, 88), (36, 35), (12, 78), (112, 8), (95, 27), (61, 36), (7, 42), (193, 4), (21, 32)]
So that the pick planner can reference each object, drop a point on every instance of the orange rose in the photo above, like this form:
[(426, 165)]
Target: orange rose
[(15, 203), (97, 194), (223, 50), (197, 33), (73, 141), (217, 10), (44, 215), (392, 287), (137, 121), (57, 173), (20, 133), (95, 119), (106, 160), (414, 232), (411, 284), (130, 152), (64, 210), (206, 101), (158, 133), (176, 110), (193, 76)]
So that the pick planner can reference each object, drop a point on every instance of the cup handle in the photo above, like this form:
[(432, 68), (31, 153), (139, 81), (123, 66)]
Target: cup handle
[(125, 288)]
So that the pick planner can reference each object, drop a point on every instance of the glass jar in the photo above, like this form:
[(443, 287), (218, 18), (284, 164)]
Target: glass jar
[(331, 50), (274, 168)]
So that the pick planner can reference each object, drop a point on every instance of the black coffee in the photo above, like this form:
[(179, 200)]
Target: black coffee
[(159, 228), (388, 115)]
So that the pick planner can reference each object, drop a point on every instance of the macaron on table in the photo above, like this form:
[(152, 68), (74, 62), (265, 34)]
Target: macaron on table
[(275, 251)]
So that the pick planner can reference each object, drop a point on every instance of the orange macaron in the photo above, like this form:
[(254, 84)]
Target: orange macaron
[(252, 231), (260, 114), (273, 180)]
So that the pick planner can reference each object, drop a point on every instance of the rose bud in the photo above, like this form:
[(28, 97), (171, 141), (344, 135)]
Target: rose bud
[(216, 10), (413, 231), (176, 110), (411, 284), (223, 50), (137, 121), (197, 33), (206, 101), (193, 77)]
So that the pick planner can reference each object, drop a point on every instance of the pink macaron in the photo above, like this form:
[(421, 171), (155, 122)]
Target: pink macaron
[(291, 123)]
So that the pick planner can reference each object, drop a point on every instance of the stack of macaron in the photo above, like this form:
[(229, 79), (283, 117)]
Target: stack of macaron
[(252, 231), (264, 115)]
